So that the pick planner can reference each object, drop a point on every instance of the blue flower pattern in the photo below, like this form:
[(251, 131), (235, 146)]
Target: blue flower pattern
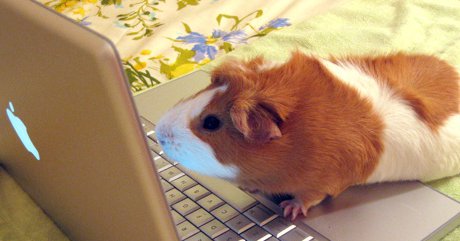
[(276, 23), (236, 37), (204, 49)]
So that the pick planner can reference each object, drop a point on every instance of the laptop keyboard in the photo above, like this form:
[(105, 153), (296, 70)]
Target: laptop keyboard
[(204, 210)]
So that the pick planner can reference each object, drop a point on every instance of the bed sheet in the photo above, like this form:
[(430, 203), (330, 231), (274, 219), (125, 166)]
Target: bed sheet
[(159, 40)]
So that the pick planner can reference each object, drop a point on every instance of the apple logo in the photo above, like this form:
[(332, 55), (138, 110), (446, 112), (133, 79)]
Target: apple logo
[(21, 131)]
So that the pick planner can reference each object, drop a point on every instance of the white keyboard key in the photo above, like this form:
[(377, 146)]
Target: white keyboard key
[(199, 237), (160, 163), (171, 174), (183, 183), (272, 239), (224, 213), (166, 186), (229, 236), (214, 228), (260, 214), (279, 226), (186, 229), (154, 146), (149, 127), (177, 218), (185, 206), (227, 191), (199, 217), (240, 223), (296, 235), (197, 192), (173, 196), (256, 233), (210, 202)]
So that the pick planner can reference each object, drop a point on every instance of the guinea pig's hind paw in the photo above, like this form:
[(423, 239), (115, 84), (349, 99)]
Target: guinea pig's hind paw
[(293, 208)]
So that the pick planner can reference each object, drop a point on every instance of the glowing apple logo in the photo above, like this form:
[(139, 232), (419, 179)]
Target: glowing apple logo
[(21, 131)]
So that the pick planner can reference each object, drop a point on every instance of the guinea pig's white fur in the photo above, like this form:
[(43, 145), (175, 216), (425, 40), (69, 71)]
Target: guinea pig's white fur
[(411, 150), (183, 146)]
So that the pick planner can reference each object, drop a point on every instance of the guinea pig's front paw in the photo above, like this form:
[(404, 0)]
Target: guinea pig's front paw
[(293, 208), (300, 204)]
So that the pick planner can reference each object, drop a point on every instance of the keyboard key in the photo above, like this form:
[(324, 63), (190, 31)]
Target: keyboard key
[(272, 239), (225, 213), (166, 186), (183, 183), (149, 127), (199, 237), (210, 202), (229, 236), (186, 229), (199, 217), (240, 223), (185, 206), (256, 233), (177, 218), (296, 235), (279, 226), (214, 228), (197, 192), (160, 163), (154, 146), (260, 214), (234, 196), (171, 174), (173, 196)]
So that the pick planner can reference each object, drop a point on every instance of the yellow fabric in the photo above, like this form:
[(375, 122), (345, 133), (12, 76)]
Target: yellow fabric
[(159, 40)]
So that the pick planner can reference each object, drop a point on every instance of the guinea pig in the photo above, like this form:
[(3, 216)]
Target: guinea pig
[(312, 127)]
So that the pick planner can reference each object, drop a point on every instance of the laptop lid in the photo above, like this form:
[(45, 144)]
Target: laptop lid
[(69, 132)]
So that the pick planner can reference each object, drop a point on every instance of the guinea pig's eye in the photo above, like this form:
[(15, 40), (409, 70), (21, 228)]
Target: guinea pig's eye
[(211, 123)]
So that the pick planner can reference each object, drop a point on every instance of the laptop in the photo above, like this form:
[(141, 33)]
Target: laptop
[(78, 142)]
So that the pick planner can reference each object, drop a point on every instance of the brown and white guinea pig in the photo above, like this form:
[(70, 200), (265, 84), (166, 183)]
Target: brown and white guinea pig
[(313, 127)]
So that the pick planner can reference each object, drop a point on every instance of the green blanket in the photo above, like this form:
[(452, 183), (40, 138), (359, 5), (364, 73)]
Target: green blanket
[(20, 218), (372, 27)]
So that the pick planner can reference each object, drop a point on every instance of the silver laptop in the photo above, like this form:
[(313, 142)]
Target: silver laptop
[(84, 149)]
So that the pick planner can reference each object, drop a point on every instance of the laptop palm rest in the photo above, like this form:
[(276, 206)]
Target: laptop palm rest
[(390, 211)]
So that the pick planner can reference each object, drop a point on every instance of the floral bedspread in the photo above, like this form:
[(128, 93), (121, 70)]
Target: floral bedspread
[(160, 40)]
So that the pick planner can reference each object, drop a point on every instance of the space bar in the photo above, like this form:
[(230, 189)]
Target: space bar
[(228, 192)]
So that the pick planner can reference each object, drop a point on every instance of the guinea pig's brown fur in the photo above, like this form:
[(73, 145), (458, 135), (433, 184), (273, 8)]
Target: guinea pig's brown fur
[(421, 80), (316, 113)]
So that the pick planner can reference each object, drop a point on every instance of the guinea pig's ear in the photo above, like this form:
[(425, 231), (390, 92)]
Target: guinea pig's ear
[(258, 122), (218, 78), (229, 71)]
